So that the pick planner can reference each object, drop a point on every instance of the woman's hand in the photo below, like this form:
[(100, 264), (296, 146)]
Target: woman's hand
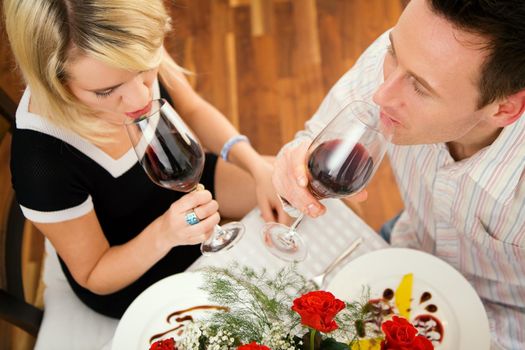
[(267, 199), (174, 228)]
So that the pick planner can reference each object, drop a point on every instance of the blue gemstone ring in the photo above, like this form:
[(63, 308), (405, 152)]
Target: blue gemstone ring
[(191, 218)]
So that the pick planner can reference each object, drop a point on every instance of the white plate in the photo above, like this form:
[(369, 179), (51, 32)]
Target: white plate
[(460, 310), (146, 316)]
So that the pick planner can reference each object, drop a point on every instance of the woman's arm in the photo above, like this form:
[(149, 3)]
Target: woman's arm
[(103, 269)]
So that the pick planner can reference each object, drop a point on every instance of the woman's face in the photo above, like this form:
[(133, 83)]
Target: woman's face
[(114, 94)]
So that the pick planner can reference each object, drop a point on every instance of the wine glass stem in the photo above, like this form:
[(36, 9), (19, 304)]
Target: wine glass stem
[(219, 231), (297, 222)]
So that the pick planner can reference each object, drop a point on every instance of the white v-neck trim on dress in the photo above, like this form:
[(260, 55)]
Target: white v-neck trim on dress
[(31, 121)]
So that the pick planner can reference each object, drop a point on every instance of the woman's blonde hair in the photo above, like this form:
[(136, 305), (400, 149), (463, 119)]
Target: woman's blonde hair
[(47, 35)]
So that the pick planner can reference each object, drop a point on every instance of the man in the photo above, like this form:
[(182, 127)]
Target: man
[(450, 76)]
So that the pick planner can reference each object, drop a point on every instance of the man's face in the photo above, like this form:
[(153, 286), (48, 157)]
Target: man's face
[(431, 72)]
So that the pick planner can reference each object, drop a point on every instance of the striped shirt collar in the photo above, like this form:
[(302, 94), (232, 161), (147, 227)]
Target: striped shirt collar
[(498, 168)]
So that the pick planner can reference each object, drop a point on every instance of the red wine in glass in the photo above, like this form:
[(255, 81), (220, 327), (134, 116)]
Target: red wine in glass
[(348, 178), (340, 162), (173, 163), (172, 158)]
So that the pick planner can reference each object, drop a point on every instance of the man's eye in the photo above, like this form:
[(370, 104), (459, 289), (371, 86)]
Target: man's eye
[(417, 89)]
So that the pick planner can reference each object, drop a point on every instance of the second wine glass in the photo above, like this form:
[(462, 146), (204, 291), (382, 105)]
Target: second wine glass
[(173, 158), (340, 162)]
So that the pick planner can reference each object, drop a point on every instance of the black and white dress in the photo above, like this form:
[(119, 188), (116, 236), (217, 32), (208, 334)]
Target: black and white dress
[(58, 175)]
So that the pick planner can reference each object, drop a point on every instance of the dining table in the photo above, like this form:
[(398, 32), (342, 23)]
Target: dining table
[(328, 237), (69, 324)]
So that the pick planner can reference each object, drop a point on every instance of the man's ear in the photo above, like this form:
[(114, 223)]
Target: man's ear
[(510, 109)]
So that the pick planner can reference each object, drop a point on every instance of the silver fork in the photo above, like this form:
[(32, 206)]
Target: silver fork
[(319, 280)]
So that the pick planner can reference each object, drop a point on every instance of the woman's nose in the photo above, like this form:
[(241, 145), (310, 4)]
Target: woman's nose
[(137, 94)]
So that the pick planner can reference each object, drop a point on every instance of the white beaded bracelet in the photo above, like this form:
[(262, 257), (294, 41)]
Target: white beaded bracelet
[(229, 144)]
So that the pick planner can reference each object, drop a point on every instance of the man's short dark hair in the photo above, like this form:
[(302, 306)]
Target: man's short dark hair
[(502, 23)]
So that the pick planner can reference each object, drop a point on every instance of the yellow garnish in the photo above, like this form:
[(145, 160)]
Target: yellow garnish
[(403, 295), (367, 344)]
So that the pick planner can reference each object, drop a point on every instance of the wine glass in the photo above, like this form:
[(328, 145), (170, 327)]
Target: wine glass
[(173, 158), (340, 162)]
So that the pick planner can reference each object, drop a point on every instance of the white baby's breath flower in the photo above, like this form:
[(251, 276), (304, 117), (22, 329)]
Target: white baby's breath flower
[(222, 340), (278, 337), (192, 334)]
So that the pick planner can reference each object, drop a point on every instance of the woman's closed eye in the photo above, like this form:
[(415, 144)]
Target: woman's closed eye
[(105, 93)]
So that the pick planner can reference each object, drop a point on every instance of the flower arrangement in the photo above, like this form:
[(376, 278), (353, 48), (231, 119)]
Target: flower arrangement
[(265, 314)]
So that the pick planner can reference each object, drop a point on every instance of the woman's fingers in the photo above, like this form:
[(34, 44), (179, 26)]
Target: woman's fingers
[(202, 231), (191, 200), (205, 210), (182, 228)]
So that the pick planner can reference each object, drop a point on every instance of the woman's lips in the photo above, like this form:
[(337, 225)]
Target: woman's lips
[(140, 112)]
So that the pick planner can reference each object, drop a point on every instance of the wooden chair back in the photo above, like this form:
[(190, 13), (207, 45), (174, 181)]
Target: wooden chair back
[(13, 306)]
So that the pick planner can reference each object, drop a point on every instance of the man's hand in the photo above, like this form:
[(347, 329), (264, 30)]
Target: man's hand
[(290, 179)]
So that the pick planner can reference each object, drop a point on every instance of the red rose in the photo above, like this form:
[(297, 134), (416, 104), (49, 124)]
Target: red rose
[(166, 344), (402, 335), (253, 346), (318, 309), (422, 343)]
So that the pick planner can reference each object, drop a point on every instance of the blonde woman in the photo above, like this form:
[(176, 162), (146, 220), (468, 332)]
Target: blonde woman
[(87, 66)]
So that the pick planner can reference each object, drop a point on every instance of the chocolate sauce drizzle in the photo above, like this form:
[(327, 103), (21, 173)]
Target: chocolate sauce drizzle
[(388, 294), (425, 297), (200, 307), (431, 308), (430, 327), (188, 318)]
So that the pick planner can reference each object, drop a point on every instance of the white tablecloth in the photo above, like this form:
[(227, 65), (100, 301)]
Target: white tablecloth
[(326, 237), (69, 324)]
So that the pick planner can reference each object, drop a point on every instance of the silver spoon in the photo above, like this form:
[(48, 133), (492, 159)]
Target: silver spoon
[(320, 279)]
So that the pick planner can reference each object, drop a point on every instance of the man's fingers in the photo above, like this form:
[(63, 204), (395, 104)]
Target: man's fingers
[(267, 212), (283, 217), (298, 159), (359, 197)]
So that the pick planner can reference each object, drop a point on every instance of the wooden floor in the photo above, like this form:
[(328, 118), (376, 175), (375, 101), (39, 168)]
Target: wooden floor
[(266, 65)]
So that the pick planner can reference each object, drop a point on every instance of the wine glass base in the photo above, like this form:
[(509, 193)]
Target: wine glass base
[(283, 243), (222, 241)]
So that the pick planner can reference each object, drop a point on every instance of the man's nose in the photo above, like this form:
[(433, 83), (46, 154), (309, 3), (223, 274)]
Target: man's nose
[(388, 93)]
